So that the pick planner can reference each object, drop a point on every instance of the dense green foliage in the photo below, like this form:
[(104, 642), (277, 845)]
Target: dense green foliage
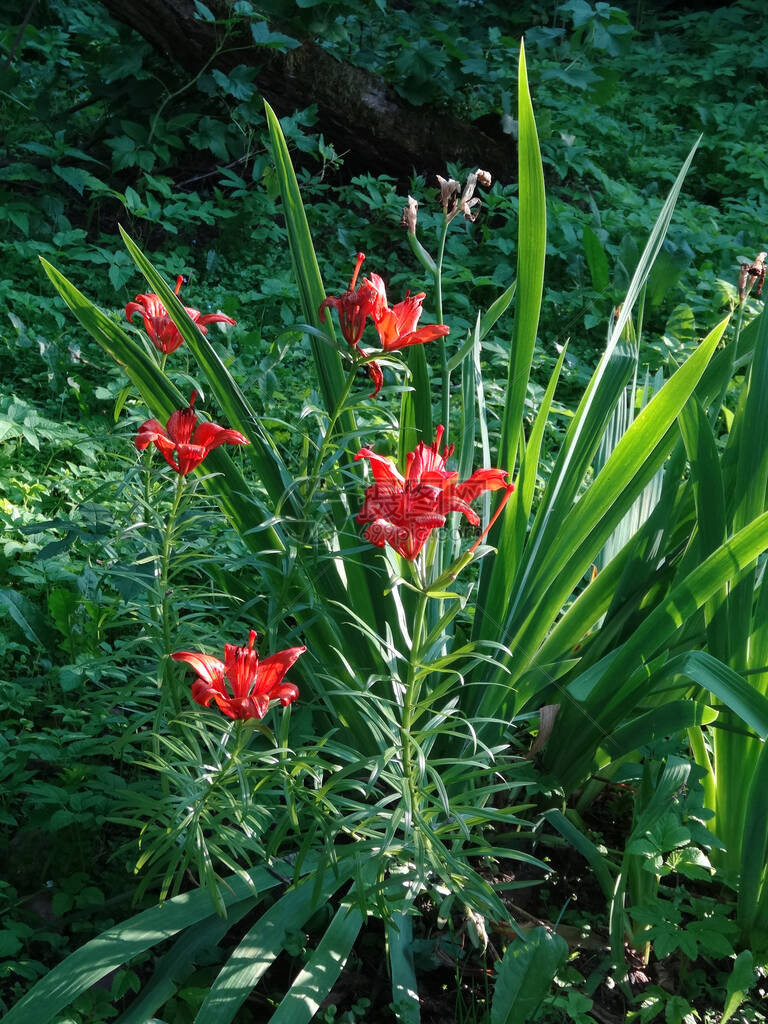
[(97, 130)]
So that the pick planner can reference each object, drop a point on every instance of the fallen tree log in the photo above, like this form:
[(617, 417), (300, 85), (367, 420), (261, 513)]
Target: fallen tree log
[(364, 118)]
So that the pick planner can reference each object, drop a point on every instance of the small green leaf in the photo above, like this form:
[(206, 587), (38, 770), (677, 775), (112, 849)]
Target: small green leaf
[(26, 616), (740, 981), (525, 974)]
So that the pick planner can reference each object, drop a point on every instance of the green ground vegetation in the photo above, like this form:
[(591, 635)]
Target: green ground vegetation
[(99, 131)]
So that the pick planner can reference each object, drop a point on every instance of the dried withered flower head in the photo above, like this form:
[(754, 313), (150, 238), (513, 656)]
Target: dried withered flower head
[(449, 189), (752, 274), (484, 178), (410, 213)]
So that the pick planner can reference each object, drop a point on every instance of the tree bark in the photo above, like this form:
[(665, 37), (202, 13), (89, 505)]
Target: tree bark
[(368, 123)]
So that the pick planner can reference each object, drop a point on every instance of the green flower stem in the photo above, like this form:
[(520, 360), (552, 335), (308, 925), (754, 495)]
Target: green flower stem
[(168, 678), (339, 408), (410, 698), (445, 398)]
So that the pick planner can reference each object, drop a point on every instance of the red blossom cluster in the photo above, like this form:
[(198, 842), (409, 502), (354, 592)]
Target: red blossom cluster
[(182, 442), (403, 510), (162, 331), (396, 325), (253, 684)]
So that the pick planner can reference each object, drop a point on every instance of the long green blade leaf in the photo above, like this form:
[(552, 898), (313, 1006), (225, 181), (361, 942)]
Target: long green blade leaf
[(119, 944)]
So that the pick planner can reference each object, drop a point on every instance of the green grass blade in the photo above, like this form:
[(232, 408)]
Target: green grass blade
[(672, 718), (615, 488), (538, 599), (172, 969), (261, 946), (709, 495), (563, 477), (529, 463), (581, 727), (119, 944), (723, 682), (527, 289), (306, 271), (497, 309), (531, 249), (585, 847), (405, 989), (416, 405), (752, 897), (316, 979)]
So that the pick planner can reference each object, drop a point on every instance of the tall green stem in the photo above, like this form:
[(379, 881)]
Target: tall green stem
[(338, 409), (410, 698), (167, 677), (445, 398)]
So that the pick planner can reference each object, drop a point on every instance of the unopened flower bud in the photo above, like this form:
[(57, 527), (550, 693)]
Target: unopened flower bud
[(410, 213)]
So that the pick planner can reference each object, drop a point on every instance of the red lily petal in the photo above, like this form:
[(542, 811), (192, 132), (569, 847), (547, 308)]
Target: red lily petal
[(427, 459), (451, 502), (203, 694), (384, 470), (149, 431), (211, 435), (407, 541), (147, 305), (331, 301), (255, 706), (408, 312), (209, 669), (272, 669), (189, 457), (378, 297), (181, 425), (242, 666), (286, 693), (481, 480), (427, 333), (215, 318)]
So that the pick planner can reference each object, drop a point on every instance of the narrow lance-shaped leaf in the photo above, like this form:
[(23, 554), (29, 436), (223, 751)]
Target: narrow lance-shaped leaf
[(538, 601), (562, 477), (261, 945), (220, 476), (116, 946), (306, 270), (614, 490), (525, 974), (531, 250), (531, 247), (270, 467), (581, 727)]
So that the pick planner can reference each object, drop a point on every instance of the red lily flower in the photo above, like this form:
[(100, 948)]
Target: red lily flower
[(163, 332), (397, 326), (184, 439), (403, 510), (253, 683), (354, 308)]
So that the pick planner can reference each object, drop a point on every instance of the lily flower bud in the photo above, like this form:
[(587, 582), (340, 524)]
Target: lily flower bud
[(410, 213)]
